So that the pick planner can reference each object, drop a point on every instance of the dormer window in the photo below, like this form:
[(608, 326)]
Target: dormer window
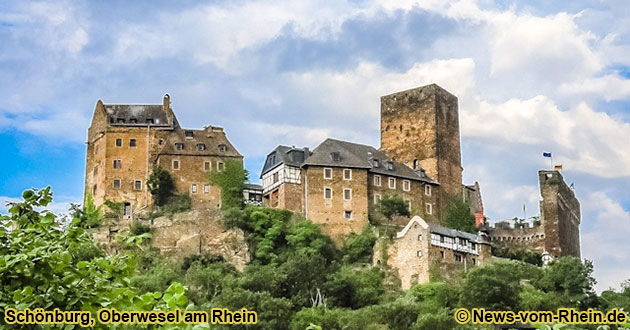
[(416, 164), (189, 134), (390, 165), (179, 146), (376, 163), (201, 146), (222, 148), (335, 156), (149, 120), (133, 120), (120, 120)]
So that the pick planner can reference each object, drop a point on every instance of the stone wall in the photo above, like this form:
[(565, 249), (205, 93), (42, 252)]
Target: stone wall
[(329, 213), (194, 232), (422, 125), (560, 215)]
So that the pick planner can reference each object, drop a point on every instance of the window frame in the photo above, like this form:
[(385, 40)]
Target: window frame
[(117, 164), (133, 143), (377, 184), (207, 166), (220, 166), (377, 198), (428, 208), (347, 212), (331, 193), (427, 190), (389, 182), (193, 188), (206, 188), (408, 184), (118, 143), (179, 146), (135, 182), (329, 169), (175, 168), (349, 171), (349, 190), (119, 183)]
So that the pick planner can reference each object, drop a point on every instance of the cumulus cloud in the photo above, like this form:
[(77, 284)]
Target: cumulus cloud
[(604, 242)]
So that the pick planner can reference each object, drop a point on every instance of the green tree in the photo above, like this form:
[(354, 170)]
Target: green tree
[(359, 248), (160, 185), (458, 216), (232, 182), (89, 215), (571, 282), (393, 205), (39, 270)]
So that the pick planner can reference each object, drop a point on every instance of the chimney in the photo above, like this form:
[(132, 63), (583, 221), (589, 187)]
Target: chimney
[(166, 102)]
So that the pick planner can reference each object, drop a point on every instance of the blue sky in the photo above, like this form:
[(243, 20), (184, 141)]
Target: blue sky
[(530, 76)]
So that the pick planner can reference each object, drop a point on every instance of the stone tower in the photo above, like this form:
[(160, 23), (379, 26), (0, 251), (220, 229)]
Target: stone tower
[(420, 128), (560, 215)]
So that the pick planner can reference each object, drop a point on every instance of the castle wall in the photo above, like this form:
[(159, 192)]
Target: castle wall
[(329, 213), (417, 195), (423, 124), (531, 238), (560, 215)]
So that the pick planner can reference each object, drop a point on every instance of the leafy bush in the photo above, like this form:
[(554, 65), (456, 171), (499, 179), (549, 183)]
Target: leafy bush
[(458, 216), (138, 228), (232, 182), (393, 205), (89, 215), (359, 248), (160, 185), (175, 204)]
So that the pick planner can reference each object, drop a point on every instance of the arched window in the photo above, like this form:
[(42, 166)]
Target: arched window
[(416, 164)]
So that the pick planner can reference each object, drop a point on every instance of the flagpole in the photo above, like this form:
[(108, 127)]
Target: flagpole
[(551, 162)]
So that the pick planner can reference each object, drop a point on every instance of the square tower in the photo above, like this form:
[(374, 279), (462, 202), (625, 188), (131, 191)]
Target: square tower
[(420, 128)]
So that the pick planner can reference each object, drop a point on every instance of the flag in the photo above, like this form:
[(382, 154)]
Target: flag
[(572, 185), (546, 154), (557, 167)]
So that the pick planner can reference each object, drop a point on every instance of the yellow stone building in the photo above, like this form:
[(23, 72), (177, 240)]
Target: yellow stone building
[(125, 142)]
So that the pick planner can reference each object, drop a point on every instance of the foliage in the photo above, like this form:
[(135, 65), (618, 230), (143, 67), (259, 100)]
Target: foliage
[(38, 268), (89, 215), (516, 252), (138, 228), (115, 209), (353, 288), (458, 216), (232, 182), (160, 185), (570, 281), (393, 205), (175, 204), (359, 248)]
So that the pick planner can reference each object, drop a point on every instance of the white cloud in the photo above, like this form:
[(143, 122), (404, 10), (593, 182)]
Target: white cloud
[(608, 87), (581, 138), (606, 243)]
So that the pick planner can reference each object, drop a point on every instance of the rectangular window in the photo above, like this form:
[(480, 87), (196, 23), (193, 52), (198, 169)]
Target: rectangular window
[(427, 190), (207, 166), (458, 258), (276, 177), (377, 180), (420, 237), (117, 183), (220, 166), (179, 146), (419, 253), (347, 174), (176, 164), (392, 183), (201, 146), (347, 214), (117, 163), (327, 173), (406, 185), (429, 208), (193, 188), (347, 194), (137, 185), (189, 134), (119, 142), (328, 193), (132, 143), (206, 188), (377, 198), (442, 254)]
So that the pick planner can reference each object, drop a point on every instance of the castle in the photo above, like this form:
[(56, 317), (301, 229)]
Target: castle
[(125, 142), (338, 183)]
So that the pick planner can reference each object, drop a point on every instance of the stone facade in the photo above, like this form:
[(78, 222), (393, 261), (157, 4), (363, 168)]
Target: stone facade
[(558, 230), (420, 128), (419, 246), (126, 141)]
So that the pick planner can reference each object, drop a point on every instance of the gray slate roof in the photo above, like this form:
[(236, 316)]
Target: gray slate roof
[(210, 139), (290, 156), (437, 229), (126, 114), (356, 155)]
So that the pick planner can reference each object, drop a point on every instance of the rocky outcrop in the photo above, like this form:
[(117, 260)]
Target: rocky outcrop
[(193, 232)]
